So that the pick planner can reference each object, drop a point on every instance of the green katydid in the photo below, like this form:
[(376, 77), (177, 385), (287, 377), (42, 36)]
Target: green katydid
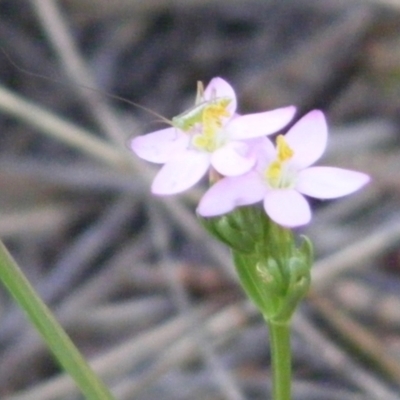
[(186, 120)]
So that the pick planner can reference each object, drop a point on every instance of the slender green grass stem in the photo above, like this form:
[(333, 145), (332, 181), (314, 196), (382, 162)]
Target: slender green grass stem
[(281, 360), (55, 337)]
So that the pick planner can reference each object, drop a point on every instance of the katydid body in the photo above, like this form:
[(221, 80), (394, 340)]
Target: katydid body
[(186, 120)]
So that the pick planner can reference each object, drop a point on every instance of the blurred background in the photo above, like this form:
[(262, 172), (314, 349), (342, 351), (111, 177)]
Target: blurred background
[(147, 296)]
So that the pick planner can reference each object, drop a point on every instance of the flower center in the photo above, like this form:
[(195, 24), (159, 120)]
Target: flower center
[(210, 138), (278, 174)]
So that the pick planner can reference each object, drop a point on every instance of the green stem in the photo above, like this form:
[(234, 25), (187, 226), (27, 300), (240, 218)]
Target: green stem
[(54, 336), (281, 360)]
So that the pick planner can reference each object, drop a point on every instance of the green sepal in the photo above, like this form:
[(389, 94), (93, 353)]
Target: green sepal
[(246, 268), (273, 270), (299, 283), (241, 229), (270, 273), (307, 250)]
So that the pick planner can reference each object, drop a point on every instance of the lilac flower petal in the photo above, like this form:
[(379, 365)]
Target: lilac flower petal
[(230, 193), (181, 173), (219, 87), (287, 207), (260, 124), (263, 150), (233, 159), (308, 138), (329, 182), (160, 146)]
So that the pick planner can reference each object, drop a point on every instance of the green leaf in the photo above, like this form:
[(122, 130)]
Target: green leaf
[(54, 336)]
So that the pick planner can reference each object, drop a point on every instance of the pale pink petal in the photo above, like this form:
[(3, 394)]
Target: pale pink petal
[(230, 193), (233, 159), (181, 173), (219, 87), (329, 182), (260, 124), (263, 150), (287, 207), (308, 138), (160, 146)]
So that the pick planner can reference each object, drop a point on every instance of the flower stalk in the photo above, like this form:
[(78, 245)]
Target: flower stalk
[(281, 360)]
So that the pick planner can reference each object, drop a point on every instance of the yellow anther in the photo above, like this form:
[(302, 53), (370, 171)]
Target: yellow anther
[(274, 173), (203, 142), (215, 112), (211, 122), (284, 151), (277, 173), (211, 118), (200, 141)]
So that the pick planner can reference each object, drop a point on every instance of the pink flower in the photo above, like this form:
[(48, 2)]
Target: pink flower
[(283, 175), (209, 134)]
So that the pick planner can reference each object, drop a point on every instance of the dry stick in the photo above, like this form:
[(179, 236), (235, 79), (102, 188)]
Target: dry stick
[(60, 129), (109, 278), (124, 316), (339, 361), (86, 248), (327, 231), (68, 268), (356, 254), (94, 291), (334, 265), (125, 357), (87, 142), (37, 220), (85, 297), (359, 336), (59, 36), (119, 360), (50, 330), (308, 60), (137, 7), (395, 4), (78, 177), (220, 328), (161, 238)]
